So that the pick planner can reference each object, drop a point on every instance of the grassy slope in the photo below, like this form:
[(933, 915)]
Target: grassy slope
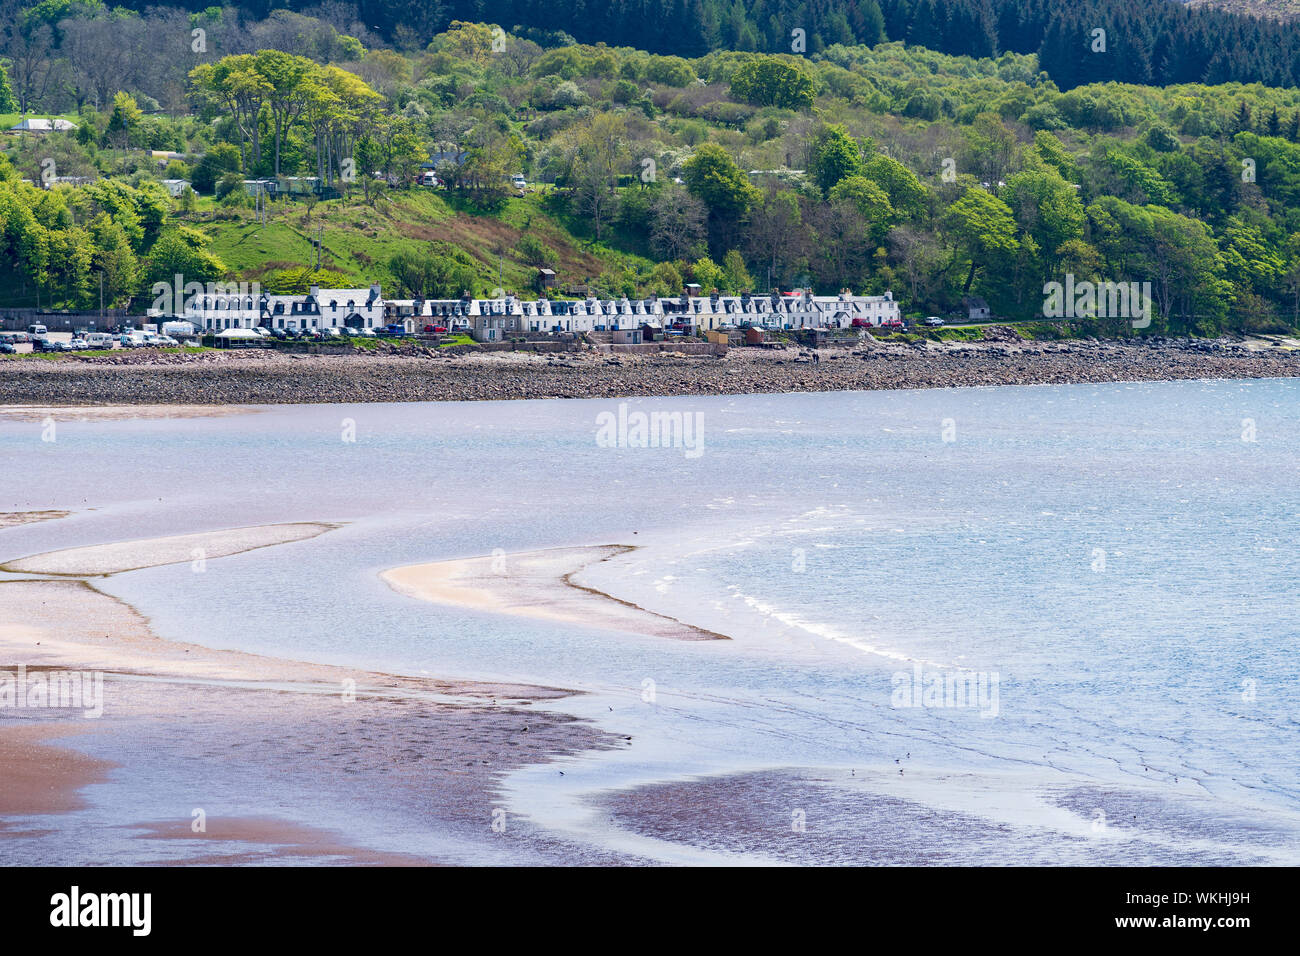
[(357, 240)]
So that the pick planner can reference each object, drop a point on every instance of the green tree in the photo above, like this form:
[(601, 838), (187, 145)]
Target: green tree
[(288, 82), (906, 193), (770, 81), (870, 200), (709, 275), (992, 149), (835, 156), (235, 85), (369, 157), (444, 272), (124, 121), (981, 228), (1046, 208), (115, 260), (8, 103), (713, 176), (72, 264), (737, 277), (220, 158), (1053, 152), (183, 252)]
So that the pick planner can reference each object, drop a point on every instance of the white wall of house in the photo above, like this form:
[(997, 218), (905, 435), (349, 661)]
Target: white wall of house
[(318, 309), (331, 308)]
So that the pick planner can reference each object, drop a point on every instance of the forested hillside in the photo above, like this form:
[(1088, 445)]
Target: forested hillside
[(866, 167), (1145, 41)]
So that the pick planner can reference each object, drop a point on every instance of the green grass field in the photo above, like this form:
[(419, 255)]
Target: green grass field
[(91, 353), (357, 240), (13, 119)]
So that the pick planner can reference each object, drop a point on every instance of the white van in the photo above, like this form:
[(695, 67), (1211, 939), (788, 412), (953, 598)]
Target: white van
[(181, 329), (37, 330), (99, 340)]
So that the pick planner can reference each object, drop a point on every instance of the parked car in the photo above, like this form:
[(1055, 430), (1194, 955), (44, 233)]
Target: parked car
[(37, 330), (262, 331), (395, 328), (8, 348), (126, 341), (934, 321), (167, 341)]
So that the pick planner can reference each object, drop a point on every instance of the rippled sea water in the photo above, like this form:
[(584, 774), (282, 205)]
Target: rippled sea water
[(1114, 565)]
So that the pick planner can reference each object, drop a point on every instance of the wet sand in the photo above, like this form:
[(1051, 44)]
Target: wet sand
[(290, 761), (40, 777), (538, 584), (98, 560), (115, 413), (873, 817), (265, 841), (11, 519)]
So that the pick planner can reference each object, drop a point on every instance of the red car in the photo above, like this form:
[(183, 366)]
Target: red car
[(436, 329)]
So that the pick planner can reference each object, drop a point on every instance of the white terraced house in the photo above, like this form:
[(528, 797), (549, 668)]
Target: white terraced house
[(318, 309), (798, 310), (494, 319)]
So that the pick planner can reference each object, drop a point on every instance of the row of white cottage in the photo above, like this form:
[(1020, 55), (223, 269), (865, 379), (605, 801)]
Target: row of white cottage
[(493, 319)]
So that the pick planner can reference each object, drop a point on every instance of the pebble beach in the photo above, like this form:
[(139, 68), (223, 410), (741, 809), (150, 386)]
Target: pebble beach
[(416, 373)]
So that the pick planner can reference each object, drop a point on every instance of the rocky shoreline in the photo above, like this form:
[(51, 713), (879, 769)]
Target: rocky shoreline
[(421, 374)]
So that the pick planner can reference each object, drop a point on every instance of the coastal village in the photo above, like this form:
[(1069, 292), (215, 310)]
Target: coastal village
[(243, 317), (496, 319)]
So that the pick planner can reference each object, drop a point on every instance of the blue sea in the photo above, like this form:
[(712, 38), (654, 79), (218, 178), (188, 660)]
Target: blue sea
[(1116, 566)]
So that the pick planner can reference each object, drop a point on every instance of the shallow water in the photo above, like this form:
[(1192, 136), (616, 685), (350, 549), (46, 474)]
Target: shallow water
[(1115, 560)]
